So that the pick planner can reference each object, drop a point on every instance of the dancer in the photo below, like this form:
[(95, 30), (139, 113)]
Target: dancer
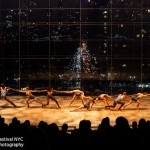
[(119, 100), (104, 98), (76, 93), (135, 99), (30, 96), (4, 90), (87, 103), (50, 91)]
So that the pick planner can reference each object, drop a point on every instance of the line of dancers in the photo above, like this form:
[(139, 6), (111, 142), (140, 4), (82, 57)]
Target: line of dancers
[(87, 101)]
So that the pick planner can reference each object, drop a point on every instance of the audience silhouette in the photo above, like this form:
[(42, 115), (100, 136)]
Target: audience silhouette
[(46, 136)]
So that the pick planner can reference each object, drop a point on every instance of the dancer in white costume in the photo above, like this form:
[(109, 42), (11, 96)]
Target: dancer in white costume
[(4, 90), (119, 100)]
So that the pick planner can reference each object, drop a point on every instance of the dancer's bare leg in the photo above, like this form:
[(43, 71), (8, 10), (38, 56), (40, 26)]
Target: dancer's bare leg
[(8, 100), (106, 104), (72, 100), (56, 102), (130, 102), (122, 104), (138, 104), (77, 108), (39, 102), (27, 101), (47, 101)]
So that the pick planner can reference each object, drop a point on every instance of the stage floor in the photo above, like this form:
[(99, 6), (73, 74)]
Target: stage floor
[(52, 114)]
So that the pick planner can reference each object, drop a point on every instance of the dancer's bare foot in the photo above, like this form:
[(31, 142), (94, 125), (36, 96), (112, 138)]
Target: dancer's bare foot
[(43, 106)]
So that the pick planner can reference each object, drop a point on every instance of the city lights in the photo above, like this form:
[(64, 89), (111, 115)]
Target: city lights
[(41, 38)]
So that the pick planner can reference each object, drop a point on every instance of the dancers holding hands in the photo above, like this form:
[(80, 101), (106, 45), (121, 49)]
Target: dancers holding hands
[(87, 101)]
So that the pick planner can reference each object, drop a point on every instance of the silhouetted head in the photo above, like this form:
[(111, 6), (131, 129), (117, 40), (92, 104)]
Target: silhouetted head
[(65, 127), (122, 122)]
